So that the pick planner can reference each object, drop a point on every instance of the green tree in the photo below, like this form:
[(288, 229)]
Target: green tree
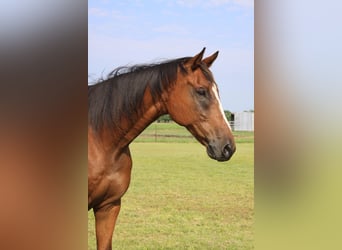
[(164, 118), (228, 114)]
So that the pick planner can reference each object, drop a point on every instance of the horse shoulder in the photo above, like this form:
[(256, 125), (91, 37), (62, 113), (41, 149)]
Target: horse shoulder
[(108, 175)]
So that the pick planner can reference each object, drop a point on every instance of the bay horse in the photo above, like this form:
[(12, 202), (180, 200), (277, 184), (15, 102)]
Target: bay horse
[(122, 106)]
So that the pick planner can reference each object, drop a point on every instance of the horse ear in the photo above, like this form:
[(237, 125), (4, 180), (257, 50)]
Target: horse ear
[(195, 61), (210, 59)]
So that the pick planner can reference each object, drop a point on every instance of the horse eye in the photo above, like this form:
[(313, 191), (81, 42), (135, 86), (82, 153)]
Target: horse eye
[(201, 91)]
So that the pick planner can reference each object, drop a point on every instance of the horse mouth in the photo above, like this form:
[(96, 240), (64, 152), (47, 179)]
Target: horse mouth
[(220, 155)]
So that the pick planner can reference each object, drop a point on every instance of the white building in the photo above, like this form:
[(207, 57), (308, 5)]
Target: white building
[(243, 121)]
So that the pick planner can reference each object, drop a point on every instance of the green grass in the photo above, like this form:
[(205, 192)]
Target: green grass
[(181, 199)]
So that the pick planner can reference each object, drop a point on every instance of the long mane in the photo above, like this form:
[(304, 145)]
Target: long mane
[(121, 94)]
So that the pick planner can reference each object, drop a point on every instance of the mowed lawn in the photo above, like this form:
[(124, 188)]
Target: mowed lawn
[(181, 199)]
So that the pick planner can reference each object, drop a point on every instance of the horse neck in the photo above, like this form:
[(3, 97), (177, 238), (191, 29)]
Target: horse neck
[(150, 112)]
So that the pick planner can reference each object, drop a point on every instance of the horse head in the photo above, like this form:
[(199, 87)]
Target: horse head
[(194, 102)]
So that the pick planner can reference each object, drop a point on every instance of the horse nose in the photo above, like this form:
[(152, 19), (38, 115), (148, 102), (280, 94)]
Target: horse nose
[(228, 151)]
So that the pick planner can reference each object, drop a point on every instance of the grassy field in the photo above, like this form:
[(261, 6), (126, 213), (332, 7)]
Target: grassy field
[(181, 199)]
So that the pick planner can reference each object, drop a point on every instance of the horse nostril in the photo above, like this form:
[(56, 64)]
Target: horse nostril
[(228, 151)]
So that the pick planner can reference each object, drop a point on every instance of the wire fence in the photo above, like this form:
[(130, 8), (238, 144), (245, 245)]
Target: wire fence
[(172, 132)]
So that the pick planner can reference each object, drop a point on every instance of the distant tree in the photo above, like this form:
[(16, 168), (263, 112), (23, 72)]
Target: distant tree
[(228, 114), (164, 118)]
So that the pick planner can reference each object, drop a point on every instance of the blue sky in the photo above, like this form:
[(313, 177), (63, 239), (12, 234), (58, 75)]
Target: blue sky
[(126, 32)]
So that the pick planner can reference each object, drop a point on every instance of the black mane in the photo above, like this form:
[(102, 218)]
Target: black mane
[(121, 94)]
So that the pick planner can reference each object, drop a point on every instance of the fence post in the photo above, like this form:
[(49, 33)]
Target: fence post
[(155, 131)]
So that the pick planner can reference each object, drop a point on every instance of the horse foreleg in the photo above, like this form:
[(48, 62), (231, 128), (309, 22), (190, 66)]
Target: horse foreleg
[(105, 219)]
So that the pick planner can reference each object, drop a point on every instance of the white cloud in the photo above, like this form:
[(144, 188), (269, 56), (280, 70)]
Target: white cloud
[(244, 3), (216, 3), (190, 3), (112, 14), (97, 12)]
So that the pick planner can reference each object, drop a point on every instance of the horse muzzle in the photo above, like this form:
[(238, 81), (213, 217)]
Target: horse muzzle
[(221, 153)]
